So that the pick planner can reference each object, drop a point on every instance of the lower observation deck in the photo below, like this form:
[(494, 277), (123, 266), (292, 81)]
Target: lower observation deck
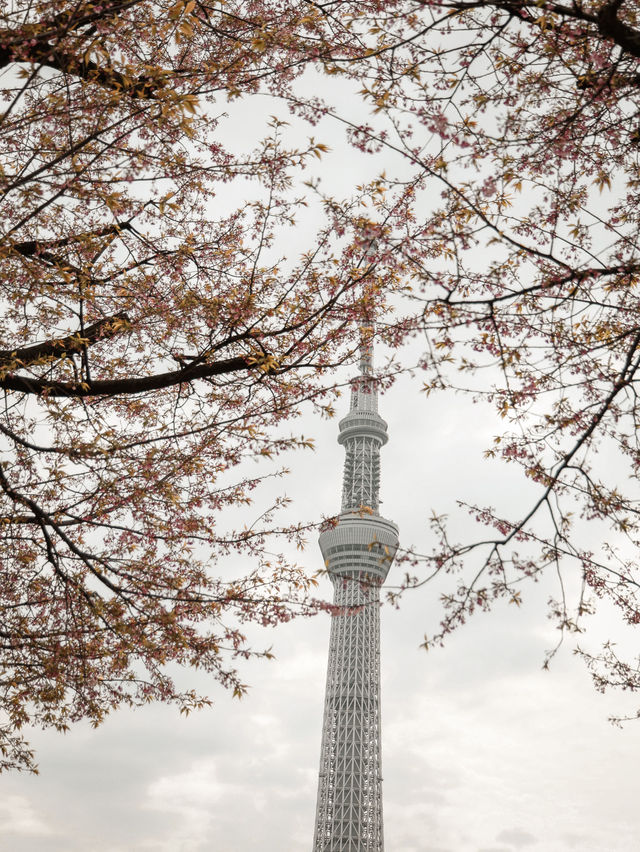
[(360, 544)]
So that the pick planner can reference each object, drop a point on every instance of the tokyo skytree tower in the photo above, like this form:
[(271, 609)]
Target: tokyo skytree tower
[(358, 553)]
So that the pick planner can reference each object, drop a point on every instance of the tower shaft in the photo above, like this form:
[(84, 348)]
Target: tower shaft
[(358, 552), (349, 810)]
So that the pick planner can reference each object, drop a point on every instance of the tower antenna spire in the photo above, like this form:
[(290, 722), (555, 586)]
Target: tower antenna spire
[(358, 552), (366, 350)]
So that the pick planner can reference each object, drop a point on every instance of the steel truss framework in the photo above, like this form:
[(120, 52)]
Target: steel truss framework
[(358, 552)]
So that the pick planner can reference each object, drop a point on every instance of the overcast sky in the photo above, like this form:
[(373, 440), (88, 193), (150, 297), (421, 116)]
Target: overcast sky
[(482, 750)]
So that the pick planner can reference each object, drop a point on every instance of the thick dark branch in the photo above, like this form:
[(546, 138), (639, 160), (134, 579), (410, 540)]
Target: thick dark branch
[(606, 19), (42, 248), (523, 9), (548, 287), (44, 53), (28, 355), (29, 520), (612, 27), (37, 44), (115, 387), (83, 15)]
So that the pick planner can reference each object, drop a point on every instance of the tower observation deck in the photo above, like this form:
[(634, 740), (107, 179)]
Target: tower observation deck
[(358, 553)]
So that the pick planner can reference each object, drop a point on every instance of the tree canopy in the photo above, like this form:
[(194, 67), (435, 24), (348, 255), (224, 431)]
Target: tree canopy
[(167, 305)]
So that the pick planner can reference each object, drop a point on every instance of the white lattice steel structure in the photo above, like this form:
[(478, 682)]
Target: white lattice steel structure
[(358, 553)]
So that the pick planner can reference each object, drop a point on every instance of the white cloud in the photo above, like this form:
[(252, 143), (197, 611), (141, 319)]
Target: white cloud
[(517, 837), (18, 816), (190, 797)]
